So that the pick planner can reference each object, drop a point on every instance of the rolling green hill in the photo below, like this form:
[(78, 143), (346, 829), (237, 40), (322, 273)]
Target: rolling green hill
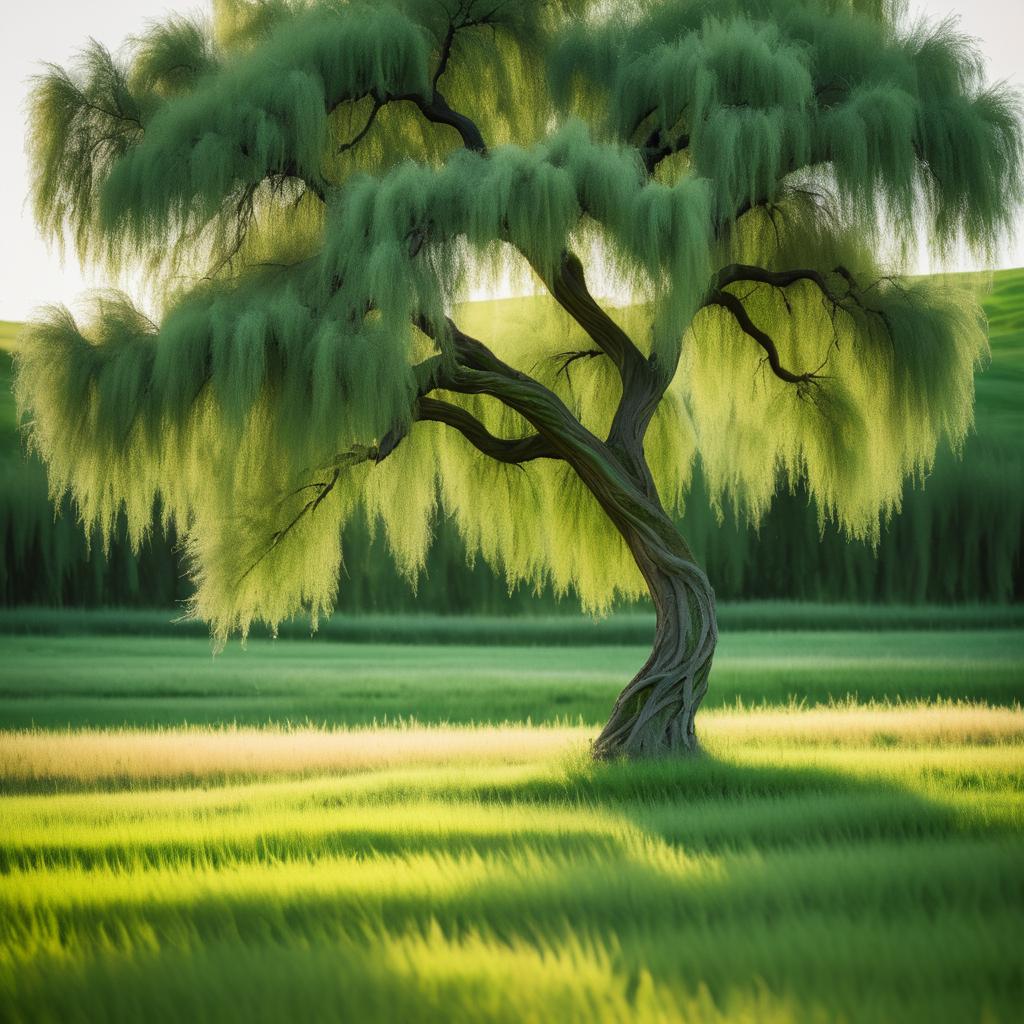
[(999, 413)]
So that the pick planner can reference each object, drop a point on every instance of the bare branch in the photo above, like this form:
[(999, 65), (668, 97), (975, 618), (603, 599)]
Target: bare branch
[(733, 305), (378, 102), (351, 457), (852, 296), (568, 358), (446, 52)]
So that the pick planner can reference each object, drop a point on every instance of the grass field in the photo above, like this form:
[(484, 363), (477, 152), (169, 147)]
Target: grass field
[(848, 858), (566, 628), (104, 681)]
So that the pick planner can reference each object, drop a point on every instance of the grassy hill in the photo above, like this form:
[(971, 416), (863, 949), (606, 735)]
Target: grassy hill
[(999, 414)]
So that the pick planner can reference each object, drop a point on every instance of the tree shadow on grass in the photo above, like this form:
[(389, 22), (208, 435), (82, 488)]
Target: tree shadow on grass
[(858, 895)]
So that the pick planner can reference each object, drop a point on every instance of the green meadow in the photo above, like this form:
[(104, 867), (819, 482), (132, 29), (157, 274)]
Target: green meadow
[(434, 796), (233, 839), (164, 682)]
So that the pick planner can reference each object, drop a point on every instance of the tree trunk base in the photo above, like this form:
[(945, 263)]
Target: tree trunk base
[(654, 714)]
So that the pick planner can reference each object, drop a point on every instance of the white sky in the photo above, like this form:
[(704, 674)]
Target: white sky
[(52, 30)]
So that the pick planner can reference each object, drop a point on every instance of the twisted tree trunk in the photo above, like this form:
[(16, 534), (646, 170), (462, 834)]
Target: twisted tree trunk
[(654, 714)]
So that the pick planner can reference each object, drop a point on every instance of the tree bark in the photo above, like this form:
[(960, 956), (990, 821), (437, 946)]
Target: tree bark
[(654, 714)]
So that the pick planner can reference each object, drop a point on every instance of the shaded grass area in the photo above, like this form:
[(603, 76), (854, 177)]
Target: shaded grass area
[(569, 628), (63, 682), (812, 866)]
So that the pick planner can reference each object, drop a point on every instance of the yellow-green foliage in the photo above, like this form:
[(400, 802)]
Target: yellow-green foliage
[(290, 265)]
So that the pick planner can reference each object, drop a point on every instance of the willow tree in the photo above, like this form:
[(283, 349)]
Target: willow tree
[(310, 190)]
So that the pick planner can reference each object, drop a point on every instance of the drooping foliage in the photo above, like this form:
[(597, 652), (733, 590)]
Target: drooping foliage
[(313, 188)]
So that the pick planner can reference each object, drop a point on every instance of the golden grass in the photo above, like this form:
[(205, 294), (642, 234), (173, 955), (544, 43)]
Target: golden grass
[(85, 756), (92, 755), (902, 725)]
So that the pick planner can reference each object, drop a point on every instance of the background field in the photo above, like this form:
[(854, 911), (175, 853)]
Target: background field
[(68, 682)]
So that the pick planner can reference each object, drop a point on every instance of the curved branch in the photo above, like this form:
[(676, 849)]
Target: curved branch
[(733, 305), (643, 380), (477, 370), (517, 450), (378, 102), (782, 279), (604, 466), (776, 278), (438, 111)]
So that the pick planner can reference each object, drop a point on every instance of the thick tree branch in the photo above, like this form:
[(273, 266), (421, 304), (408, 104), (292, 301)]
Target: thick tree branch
[(569, 287), (438, 111), (477, 370), (516, 450), (643, 381), (426, 376), (736, 272), (600, 465)]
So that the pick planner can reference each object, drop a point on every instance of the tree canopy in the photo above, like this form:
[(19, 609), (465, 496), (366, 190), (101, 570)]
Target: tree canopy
[(311, 190)]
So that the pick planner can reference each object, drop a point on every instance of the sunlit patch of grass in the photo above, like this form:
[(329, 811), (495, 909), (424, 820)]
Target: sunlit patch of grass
[(146, 755), (89, 756)]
